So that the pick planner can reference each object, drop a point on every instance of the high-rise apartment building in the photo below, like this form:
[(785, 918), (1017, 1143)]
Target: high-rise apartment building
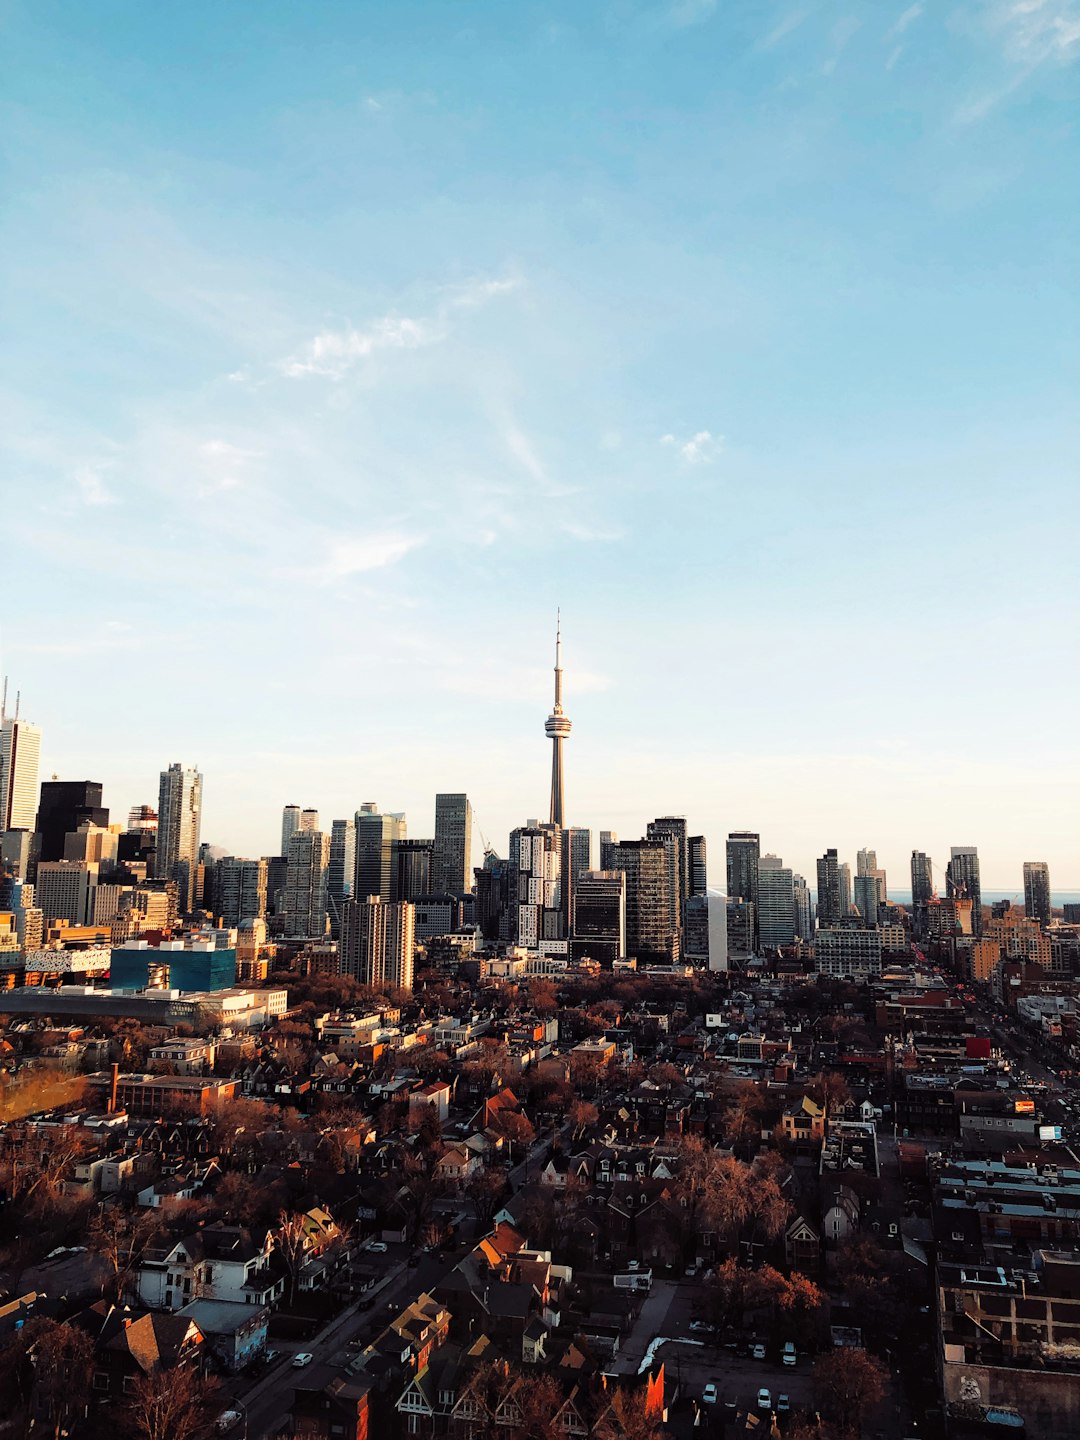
[(378, 942), (869, 894), (20, 754), (575, 857), (452, 869), (670, 830), (743, 851), (496, 897), (831, 906), (776, 903), (179, 818), (608, 841), (375, 836), (649, 936), (922, 892), (340, 871), (962, 880), (600, 916), (239, 890), (847, 899), (1037, 891), (535, 871), (294, 819), (804, 909), (305, 883), (95, 843)]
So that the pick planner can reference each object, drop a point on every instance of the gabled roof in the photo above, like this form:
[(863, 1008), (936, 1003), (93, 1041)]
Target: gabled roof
[(154, 1341)]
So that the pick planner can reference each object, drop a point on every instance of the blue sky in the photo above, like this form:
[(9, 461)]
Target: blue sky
[(341, 342)]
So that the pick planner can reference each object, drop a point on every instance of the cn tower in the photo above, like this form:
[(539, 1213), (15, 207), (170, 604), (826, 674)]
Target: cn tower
[(558, 727)]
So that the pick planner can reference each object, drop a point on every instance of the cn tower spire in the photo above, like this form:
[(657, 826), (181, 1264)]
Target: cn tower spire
[(557, 727)]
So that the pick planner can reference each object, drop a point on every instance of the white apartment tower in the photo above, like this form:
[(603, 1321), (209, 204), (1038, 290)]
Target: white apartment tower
[(20, 753), (179, 818)]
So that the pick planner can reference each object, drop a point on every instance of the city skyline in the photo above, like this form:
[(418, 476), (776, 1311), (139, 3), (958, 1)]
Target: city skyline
[(740, 331)]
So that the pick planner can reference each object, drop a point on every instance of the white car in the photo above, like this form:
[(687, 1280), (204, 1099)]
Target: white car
[(758, 1352), (226, 1420), (377, 1247), (764, 1399), (709, 1394), (789, 1354), (299, 1361)]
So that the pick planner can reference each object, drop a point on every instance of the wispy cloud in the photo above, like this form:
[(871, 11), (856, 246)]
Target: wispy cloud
[(789, 22), (90, 483), (589, 534), (908, 17), (700, 449), (520, 447), (1035, 31), (355, 554), (684, 13), (334, 352), (224, 466)]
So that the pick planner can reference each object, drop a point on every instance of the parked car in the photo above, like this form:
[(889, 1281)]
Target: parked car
[(226, 1420), (789, 1355), (764, 1399), (783, 1405), (377, 1247), (709, 1394), (758, 1352), (701, 1327), (304, 1358)]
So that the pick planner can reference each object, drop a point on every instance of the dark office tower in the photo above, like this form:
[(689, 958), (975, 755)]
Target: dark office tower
[(699, 876), (452, 870), (494, 903), (922, 892), (340, 871), (649, 936), (831, 902), (179, 818), (557, 727), (962, 881), (64, 806), (375, 836), (1037, 891), (575, 857), (670, 830), (743, 853), (608, 841), (239, 890), (600, 916), (277, 872), (412, 868)]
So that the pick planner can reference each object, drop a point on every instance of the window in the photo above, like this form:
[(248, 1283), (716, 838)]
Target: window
[(101, 1380)]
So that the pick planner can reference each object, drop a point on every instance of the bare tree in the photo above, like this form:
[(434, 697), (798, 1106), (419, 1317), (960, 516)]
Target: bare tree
[(176, 1404), (63, 1359), (848, 1384)]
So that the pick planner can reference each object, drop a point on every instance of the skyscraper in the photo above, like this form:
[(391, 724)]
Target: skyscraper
[(179, 817), (804, 911), (375, 836), (452, 869), (20, 752), (831, 905), (340, 870), (649, 936), (670, 830), (305, 883), (869, 894), (290, 823), (412, 870), (239, 890), (699, 871), (557, 728), (599, 928), (922, 892), (65, 805), (534, 879), (776, 903), (962, 880), (743, 851), (1037, 891), (608, 841), (378, 942), (575, 857)]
